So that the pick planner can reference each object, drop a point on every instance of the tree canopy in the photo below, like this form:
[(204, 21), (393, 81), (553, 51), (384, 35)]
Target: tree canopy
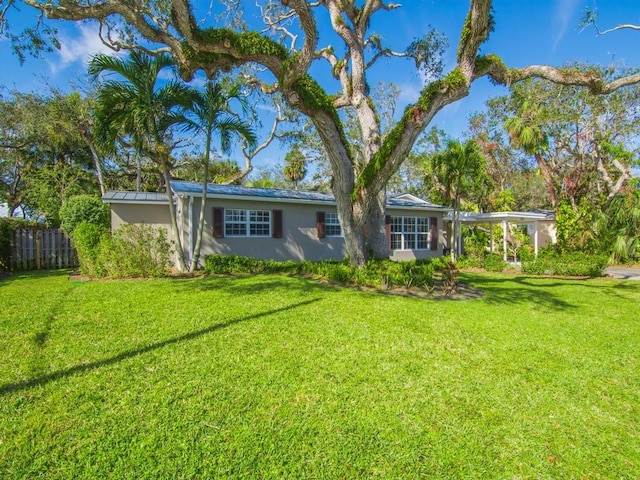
[(290, 44)]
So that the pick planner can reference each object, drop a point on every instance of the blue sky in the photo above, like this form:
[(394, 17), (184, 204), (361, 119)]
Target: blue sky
[(526, 32)]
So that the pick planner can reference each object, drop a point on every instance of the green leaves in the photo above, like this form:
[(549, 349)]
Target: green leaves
[(427, 53)]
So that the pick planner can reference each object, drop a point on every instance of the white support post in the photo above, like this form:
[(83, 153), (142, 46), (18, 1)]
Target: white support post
[(535, 239), (492, 244), (190, 226), (505, 229)]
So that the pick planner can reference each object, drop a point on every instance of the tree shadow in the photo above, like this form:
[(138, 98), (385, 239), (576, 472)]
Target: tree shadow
[(86, 367), (257, 284), (542, 290), (519, 290)]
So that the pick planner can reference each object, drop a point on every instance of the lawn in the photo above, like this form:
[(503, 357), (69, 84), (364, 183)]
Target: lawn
[(279, 377)]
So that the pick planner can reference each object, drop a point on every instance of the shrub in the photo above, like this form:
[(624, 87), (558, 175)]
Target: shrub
[(5, 243), (226, 264), (469, 261), (494, 263), (135, 251), (491, 262), (339, 273), (579, 264), (87, 239), (7, 226), (83, 208), (439, 264), (375, 273)]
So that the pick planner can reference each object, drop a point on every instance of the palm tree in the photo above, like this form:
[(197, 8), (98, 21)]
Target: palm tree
[(617, 229), (136, 108), (295, 168), (211, 112), (525, 133), (460, 169)]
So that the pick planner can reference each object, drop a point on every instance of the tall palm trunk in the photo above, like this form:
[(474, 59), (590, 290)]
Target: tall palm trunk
[(205, 180), (182, 267)]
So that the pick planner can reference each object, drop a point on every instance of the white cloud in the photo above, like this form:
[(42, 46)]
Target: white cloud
[(409, 93), (79, 47), (564, 15)]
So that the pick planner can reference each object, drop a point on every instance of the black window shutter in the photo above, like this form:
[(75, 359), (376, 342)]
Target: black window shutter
[(434, 233), (276, 226), (320, 224), (218, 222)]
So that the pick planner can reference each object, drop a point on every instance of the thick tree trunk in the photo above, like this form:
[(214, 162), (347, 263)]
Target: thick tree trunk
[(351, 219), (376, 232), (355, 243)]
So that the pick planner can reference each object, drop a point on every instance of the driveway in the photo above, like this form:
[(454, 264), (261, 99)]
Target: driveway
[(625, 273)]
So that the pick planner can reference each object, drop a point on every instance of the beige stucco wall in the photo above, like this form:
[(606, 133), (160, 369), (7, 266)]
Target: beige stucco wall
[(546, 233), (155, 215), (299, 235), (299, 240)]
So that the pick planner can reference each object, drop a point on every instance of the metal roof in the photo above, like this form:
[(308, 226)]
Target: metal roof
[(215, 190), (135, 197), (512, 217), (194, 189)]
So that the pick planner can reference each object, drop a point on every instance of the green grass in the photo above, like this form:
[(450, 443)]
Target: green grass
[(278, 377)]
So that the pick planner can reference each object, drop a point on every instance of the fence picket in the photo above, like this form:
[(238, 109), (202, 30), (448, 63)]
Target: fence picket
[(42, 248)]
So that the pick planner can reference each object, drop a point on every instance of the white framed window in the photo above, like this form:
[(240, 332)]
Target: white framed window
[(409, 233), (332, 225), (247, 223)]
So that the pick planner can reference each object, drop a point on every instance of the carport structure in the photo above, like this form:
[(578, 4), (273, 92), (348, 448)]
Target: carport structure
[(540, 226)]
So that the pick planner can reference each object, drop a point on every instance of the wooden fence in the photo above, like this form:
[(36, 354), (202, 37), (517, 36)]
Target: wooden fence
[(42, 248)]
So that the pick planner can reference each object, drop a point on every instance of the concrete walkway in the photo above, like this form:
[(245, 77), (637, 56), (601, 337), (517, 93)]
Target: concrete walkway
[(625, 273)]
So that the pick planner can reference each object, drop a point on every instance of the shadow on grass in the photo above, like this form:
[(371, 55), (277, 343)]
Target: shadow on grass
[(543, 290), (520, 290), (258, 284), (85, 367)]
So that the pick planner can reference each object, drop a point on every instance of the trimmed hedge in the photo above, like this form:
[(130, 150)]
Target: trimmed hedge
[(566, 264), (490, 262), (376, 273), (133, 251)]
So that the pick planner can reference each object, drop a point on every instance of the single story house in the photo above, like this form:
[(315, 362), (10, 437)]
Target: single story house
[(275, 223)]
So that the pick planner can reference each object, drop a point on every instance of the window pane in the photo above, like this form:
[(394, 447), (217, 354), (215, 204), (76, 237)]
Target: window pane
[(259, 223), (409, 242), (396, 241), (259, 216), (332, 225), (235, 229), (235, 216), (235, 223), (396, 224), (409, 224), (259, 230)]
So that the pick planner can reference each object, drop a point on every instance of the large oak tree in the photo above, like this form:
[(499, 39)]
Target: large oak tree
[(359, 187)]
